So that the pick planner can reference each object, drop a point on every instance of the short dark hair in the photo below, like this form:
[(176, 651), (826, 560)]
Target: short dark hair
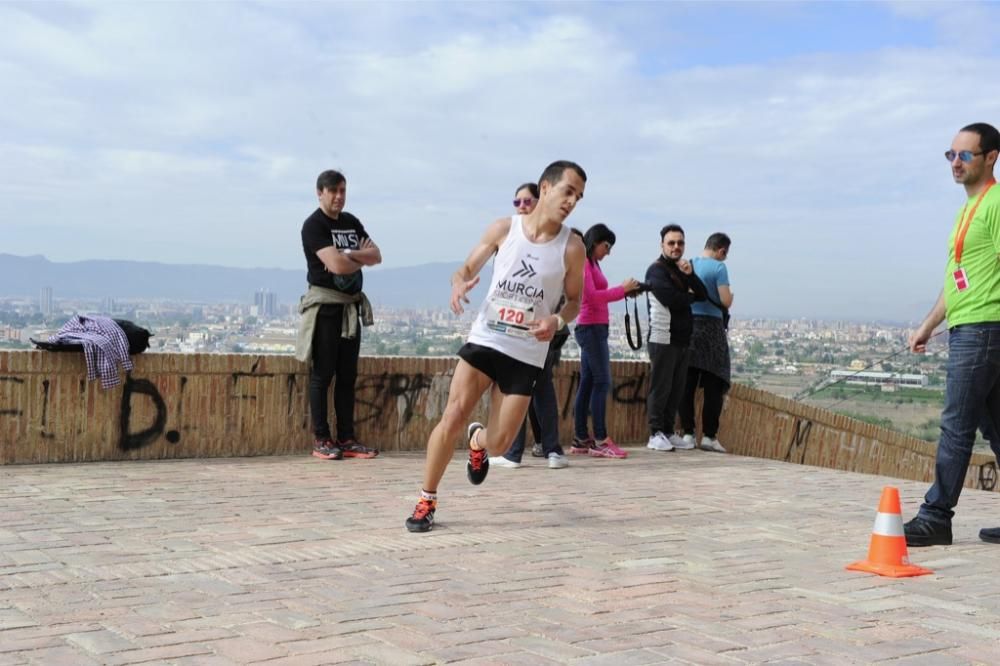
[(718, 241), (329, 180), (667, 229), (531, 187), (554, 172), (598, 233), (989, 137)]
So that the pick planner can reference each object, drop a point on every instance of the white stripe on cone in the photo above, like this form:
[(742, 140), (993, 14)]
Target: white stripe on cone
[(888, 524)]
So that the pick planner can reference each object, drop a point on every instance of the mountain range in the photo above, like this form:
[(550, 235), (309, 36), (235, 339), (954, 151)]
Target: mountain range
[(423, 286)]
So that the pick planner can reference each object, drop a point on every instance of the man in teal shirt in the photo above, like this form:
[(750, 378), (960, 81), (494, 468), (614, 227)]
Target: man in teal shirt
[(708, 364), (970, 301)]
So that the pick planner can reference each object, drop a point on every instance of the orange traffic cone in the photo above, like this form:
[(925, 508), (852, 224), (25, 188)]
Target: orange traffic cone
[(887, 552)]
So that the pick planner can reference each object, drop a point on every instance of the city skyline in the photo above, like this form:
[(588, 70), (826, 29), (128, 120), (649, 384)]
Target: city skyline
[(391, 287), (812, 133)]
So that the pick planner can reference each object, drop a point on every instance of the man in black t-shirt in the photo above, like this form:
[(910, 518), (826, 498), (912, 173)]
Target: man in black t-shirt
[(336, 246)]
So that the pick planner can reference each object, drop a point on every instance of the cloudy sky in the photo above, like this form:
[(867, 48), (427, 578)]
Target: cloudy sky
[(812, 133)]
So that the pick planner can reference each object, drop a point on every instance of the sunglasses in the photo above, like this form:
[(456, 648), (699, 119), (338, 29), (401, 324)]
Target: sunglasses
[(964, 155), (677, 243), (527, 201)]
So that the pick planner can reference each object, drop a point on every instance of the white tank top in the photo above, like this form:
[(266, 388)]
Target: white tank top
[(526, 285)]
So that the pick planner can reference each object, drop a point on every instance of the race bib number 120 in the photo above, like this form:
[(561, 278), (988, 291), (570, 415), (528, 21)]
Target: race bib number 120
[(510, 317)]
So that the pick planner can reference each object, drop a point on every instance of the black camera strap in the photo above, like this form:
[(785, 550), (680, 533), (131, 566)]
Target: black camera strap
[(637, 344)]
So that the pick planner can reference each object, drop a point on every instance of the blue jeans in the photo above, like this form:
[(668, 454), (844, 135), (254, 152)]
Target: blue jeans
[(595, 380), (971, 401), (543, 401)]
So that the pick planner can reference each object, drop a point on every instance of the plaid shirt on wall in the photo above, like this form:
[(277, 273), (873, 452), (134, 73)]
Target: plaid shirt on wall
[(105, 346)]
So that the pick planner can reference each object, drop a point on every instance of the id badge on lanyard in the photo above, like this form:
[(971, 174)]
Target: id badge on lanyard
[(961, 279)]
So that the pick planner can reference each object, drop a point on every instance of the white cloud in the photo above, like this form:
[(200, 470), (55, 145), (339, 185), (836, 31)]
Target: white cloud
[(206, 125)]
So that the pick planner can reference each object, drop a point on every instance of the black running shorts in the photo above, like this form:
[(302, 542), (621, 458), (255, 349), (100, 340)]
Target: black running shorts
[(513, 377)]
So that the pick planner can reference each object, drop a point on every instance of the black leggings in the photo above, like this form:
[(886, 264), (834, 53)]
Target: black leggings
[(333, 355), (711, 409)]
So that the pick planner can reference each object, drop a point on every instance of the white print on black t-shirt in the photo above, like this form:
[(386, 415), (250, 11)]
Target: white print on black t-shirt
[(345, 239)]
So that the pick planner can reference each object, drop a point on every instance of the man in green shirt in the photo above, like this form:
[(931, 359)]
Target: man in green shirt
[(970, 301)]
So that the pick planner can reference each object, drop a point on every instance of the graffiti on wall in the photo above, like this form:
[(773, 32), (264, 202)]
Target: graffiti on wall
[(136, 439), (380, 396), (7, 410), (387, 402), (628, 391)]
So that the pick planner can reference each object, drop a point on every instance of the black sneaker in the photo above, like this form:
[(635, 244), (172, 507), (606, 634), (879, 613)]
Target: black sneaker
[(920, 532), (479, 460), (422, 519), (325, 449), (990, 534), (536, 451)]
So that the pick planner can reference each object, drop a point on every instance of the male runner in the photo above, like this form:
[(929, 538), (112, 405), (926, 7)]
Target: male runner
[(537, 261)]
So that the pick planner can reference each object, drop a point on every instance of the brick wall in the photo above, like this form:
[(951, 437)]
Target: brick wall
[(214, 405)]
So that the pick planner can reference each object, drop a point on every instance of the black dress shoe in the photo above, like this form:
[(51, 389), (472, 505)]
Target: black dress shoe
[(920, 532), (990, 534)]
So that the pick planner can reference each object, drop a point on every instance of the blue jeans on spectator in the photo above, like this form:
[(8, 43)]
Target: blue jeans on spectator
[(971, 401), (595, 380), (543, 401)]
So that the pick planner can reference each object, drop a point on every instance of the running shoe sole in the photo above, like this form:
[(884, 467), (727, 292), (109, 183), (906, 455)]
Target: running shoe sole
[(327, 456), (355, 454), (605, 453)]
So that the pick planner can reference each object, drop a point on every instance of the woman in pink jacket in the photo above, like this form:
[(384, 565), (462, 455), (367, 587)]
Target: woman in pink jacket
[(591, 335)]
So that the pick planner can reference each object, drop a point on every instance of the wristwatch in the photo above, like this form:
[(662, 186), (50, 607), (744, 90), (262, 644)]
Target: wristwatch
[(560, 323)]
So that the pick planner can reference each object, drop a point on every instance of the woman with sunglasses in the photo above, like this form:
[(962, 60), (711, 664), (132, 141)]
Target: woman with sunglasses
[(591, 335), (525, 198)]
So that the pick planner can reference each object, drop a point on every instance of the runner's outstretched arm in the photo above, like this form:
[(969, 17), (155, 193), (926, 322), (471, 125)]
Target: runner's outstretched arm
[(467, 276)]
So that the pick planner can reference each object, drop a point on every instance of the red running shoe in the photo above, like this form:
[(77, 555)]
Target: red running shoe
[(422, 519), (479, 460), (325, 449), (352, 448)]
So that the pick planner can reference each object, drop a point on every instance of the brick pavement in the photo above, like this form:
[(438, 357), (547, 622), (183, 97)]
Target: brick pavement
[(683, 557)]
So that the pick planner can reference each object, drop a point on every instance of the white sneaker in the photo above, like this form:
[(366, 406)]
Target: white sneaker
[(557, 461), (500, 461), (709, 444), (659, 442), (682, 443)]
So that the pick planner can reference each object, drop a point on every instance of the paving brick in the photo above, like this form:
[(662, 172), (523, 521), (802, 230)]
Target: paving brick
[(100, 642), (388, 655), (623, 658), (12, 618), (60, 656), (157, 654)]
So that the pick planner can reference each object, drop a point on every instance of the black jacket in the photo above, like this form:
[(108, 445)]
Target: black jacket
[(675, 291)]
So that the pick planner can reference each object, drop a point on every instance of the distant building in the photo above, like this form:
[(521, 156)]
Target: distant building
[(45, 301), (266, 303), (108, 306), (889, 381)]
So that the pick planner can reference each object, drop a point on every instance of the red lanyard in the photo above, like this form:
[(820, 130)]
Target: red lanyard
[(963, 227)]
